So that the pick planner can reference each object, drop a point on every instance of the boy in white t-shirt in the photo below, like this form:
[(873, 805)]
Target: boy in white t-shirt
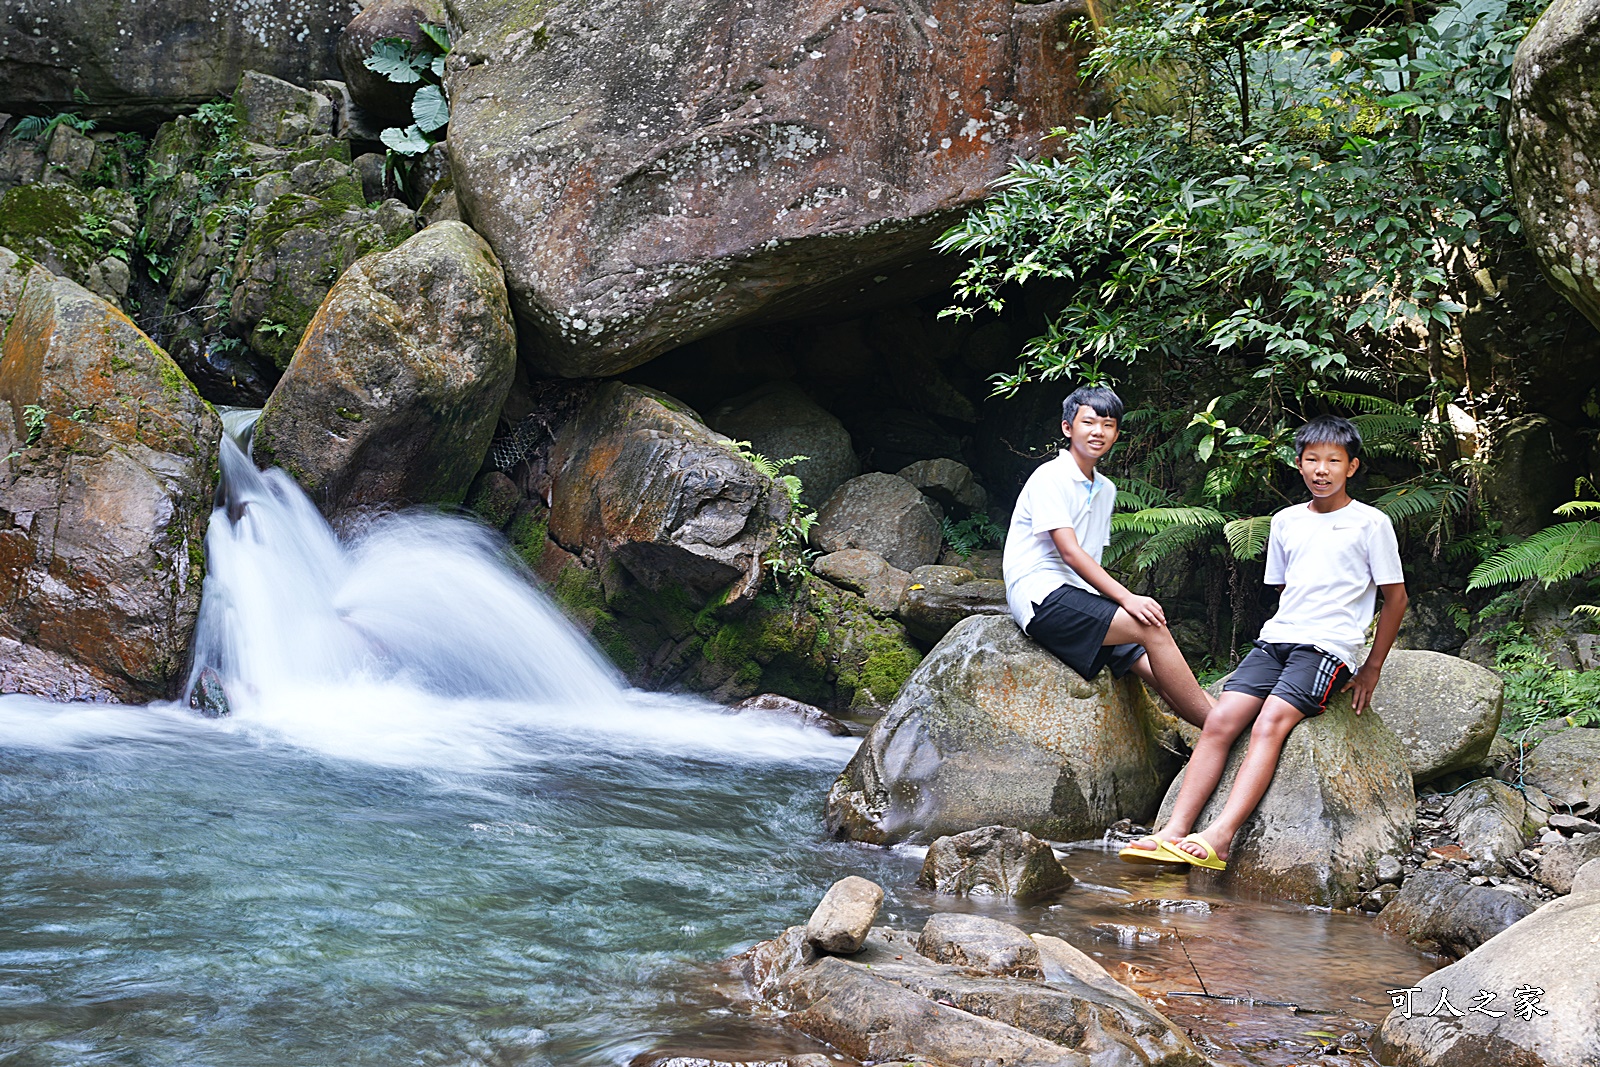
[(1055, 586), (1330, 558)]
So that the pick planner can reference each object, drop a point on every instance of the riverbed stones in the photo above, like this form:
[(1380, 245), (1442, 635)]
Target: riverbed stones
[(844, 916), (1444, 912), (781, 421), (993, 730), (1567, 766), (392, 396), (979, 943), (784, 709), (993, 861), (936, 598), (880, 513), (1550, 959), (1445, 710), (651, 175), (1493, 821), (1340, 800), (103, 501), (866, 573)]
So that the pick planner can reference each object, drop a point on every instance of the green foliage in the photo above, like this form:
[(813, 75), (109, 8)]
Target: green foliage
[(791, 559), (1551, 555), (40, 127), (1536, 689), (33, 417), (406, 63), (971, 534)]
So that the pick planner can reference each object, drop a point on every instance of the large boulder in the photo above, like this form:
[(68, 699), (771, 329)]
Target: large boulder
[(1445, 710), (880, 513), (780, 420), (385, 103), (640, 480), (866, 573), (1340, 800), (393, 394), (1567, 767), (992, 729), (137, 64), (948, 482), (654, 174), (1443, 912), (938, 597), (1554, 134), (108, 468), (1548, 964)]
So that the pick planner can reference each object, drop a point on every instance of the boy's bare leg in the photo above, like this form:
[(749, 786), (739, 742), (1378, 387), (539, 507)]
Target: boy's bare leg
[(1272, 728), (1169, 671), (1231, 717)]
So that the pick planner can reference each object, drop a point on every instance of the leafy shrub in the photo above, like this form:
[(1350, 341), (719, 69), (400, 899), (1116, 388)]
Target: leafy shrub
[(404, 63)]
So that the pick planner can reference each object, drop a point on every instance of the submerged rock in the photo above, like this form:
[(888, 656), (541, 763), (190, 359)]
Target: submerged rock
[(880, 513), (992, 860), (1445, 710), (992, 729), (103, 499), (1444, 912), (208, 696), (1340, 801), (787, 709), (393, 394)]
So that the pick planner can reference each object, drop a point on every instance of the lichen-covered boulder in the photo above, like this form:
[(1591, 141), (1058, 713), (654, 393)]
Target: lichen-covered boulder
[(880, 513), (1567, 766), (82, 236), (105, 486), (654, 174), (137, 64), (780, 420), (1554, 140), (1340, 800), (393, 394), (993, 730), (938, 597), (1444, 709), (1544, 974), (866, 573)]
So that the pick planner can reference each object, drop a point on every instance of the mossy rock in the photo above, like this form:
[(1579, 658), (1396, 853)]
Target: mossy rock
[(46, 224)]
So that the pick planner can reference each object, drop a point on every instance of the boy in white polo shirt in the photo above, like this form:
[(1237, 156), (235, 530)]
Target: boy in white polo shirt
[(1055, 586), (1330, 558)]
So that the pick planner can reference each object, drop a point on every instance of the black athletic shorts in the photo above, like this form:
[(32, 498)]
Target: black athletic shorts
[(1303, 675), (1072, 623)]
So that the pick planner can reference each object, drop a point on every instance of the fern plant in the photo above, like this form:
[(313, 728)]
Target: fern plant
[(971, 534), (40, 127), (790, 559), (1551, 555)]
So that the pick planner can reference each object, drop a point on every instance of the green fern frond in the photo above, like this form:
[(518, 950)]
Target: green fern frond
[(1136, 494), (1578, 507), (1368, 404), (1388, 426), (1171, 540), (1591, 610), (1412, 499), (1247, 538), (1155, 520), (1550, 555)]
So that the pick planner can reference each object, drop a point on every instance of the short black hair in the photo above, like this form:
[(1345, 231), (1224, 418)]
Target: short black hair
[(1329, 430), (1104, 402)]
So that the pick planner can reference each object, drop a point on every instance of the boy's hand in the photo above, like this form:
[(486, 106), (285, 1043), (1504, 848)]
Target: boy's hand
[(1363, 682), (1145, 609)]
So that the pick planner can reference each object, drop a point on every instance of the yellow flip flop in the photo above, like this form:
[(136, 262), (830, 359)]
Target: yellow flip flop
[(1211, 862), (1162, 853)]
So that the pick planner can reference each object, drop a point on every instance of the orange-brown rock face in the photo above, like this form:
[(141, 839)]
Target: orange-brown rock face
[(109, 464), (652, 172)]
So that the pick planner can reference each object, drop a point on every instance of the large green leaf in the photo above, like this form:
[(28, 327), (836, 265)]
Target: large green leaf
[(438, 34), (430, 109), (408, 142), (392, 57)]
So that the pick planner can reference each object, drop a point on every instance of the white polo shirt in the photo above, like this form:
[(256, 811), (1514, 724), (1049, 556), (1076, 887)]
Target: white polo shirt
[(1330, 566), (1058, 496)]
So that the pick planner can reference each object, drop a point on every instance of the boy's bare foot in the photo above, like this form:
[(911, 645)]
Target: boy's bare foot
[(1193, 847), (1152, 842)]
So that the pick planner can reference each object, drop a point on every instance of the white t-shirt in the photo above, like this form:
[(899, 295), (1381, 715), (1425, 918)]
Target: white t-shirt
[(1330, 567), (1058, 496)]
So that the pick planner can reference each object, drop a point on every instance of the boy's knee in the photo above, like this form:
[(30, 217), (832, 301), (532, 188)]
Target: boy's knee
[(1276, 720)]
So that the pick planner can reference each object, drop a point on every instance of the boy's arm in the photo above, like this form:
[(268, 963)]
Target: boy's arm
[(1142, 608), (1366, 679)]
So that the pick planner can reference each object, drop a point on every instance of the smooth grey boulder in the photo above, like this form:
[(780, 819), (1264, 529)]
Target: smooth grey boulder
[(780, 420), (1444, 912), (992, 861), (950, 483), (880, 513), (979, 943), (1566, 766), (867, 573), (991, 729), (1444, 709), (1554, 951), (1562, 860), (1340, 800), (1587, 881), (392, 397), (1493, 821), (936, 598), (844, 916), (787, 709)]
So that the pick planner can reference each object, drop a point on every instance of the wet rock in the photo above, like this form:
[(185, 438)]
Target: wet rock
[(844, 916), (639, 479), (880, 513), (937, 598), (1339, 802), (1444, 710), (1519, 958), (979, 943), (993, 730), (103, 507), (138, 64), (1553, 143), (948, 482), (1566, 766), (1493, 821), (1446, 911), (993, 861), (384, 102), (74, 234), (208, 696), (866, 573), (393, 394), (780, 420), (787, 709), (1562, 860), (654, 175)]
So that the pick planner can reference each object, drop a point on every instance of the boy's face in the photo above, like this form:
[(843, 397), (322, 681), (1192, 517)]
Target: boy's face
[(1090, 434), (1326, 468)]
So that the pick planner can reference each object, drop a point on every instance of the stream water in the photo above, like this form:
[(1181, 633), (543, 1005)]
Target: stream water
[(437, 830)]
